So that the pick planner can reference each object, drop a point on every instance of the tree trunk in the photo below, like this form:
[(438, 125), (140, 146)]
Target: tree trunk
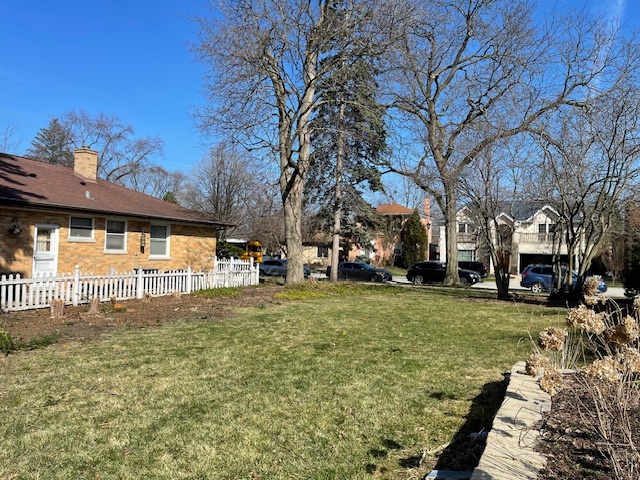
[(451, 235), (337, 212), (293, 233)]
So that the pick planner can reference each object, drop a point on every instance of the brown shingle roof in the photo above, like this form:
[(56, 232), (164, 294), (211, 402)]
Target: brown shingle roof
[(25, 182), (393, 209)]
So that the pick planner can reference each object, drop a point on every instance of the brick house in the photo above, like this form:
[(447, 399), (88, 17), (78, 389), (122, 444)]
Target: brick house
[(53, 218), (388, 249)]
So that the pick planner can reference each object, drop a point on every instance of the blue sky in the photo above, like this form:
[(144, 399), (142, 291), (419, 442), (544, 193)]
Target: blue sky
[(129, 59)]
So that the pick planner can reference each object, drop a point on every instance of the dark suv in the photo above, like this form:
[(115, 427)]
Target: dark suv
[(541, 278), (434, 272), (361, 271), (479, 267)]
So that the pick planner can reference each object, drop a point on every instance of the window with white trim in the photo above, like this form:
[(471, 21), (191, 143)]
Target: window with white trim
[(115, 236), (81, 229), (466, 255), (546, 227), (465, 228), (159, 241)]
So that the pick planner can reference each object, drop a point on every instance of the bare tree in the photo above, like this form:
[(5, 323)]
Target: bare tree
[(265, 221), (403, 190), (266, 60), (156, 181), (119, 153), (10, 137), (590, 160), (471, 73), (222, 184), (494, 192)]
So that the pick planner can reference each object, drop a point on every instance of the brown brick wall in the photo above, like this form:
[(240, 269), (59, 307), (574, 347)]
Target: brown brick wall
[(189, 246)]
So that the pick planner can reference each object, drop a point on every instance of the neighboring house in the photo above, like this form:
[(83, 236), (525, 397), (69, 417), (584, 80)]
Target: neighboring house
[(53, 218), (316, 253), (385, 249), (531, 226)]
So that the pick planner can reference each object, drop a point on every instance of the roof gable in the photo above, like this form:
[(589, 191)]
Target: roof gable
[(393, 209)]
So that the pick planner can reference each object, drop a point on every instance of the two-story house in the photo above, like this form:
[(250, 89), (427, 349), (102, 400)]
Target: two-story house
[(531, 227)]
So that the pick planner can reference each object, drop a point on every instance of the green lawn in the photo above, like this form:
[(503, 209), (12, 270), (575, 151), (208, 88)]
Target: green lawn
[(330, 387)]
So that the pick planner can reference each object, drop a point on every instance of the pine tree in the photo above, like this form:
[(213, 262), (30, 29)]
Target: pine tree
[(414, 240), (349, 139), (53, 144)]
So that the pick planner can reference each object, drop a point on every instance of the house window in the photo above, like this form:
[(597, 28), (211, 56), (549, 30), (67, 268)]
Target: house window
[(116, 236), (465, 228), (323, 251), (159, 241), (466, 255), (81, 229), (546, 227)]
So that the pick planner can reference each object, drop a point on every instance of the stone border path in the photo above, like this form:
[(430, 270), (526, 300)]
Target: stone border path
[(509, 453)]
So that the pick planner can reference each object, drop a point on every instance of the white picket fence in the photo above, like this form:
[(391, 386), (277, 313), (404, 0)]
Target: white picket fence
[(18, 293)]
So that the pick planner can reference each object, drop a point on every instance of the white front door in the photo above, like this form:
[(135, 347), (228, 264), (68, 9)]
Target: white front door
[(45, 249)]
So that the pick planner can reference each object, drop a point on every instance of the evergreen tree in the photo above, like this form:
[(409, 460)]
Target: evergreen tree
[(53, 144), (414, 240), (171, 198), (349, 139)]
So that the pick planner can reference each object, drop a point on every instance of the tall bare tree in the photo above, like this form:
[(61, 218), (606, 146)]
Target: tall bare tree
[(494, 192), (590, 161), (470, 73), (266, 59), (120, 154)]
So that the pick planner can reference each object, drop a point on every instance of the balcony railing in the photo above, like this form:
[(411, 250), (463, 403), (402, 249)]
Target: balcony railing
[(536, 238), (467, 237)]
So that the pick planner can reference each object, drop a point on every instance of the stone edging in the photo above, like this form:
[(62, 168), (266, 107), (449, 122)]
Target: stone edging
[(509, 453)]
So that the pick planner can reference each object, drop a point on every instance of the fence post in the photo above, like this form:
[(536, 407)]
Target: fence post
[(139, 284), (189, 280), (251, 273), (3, 293), (76, 286)]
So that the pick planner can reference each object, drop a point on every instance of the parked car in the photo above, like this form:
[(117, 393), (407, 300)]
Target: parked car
[(479, 267), (540, 278), (361, 271), (277, 267), (431, 271)]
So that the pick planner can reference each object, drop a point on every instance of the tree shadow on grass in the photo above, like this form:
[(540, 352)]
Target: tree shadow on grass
[(466, 447)]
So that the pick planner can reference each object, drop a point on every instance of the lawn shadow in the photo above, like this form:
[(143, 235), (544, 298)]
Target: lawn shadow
[(466, 447)]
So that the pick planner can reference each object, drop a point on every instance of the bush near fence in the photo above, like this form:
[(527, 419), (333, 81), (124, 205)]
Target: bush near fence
[(17, 293)]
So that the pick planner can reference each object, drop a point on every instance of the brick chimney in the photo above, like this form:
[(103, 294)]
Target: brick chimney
[(85, 163)]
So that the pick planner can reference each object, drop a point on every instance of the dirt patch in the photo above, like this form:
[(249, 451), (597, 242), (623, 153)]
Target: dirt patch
[(569, 442), (77, 325)]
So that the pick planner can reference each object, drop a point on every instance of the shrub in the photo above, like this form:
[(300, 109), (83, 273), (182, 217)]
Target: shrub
[(610, 338), (6, 343)]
